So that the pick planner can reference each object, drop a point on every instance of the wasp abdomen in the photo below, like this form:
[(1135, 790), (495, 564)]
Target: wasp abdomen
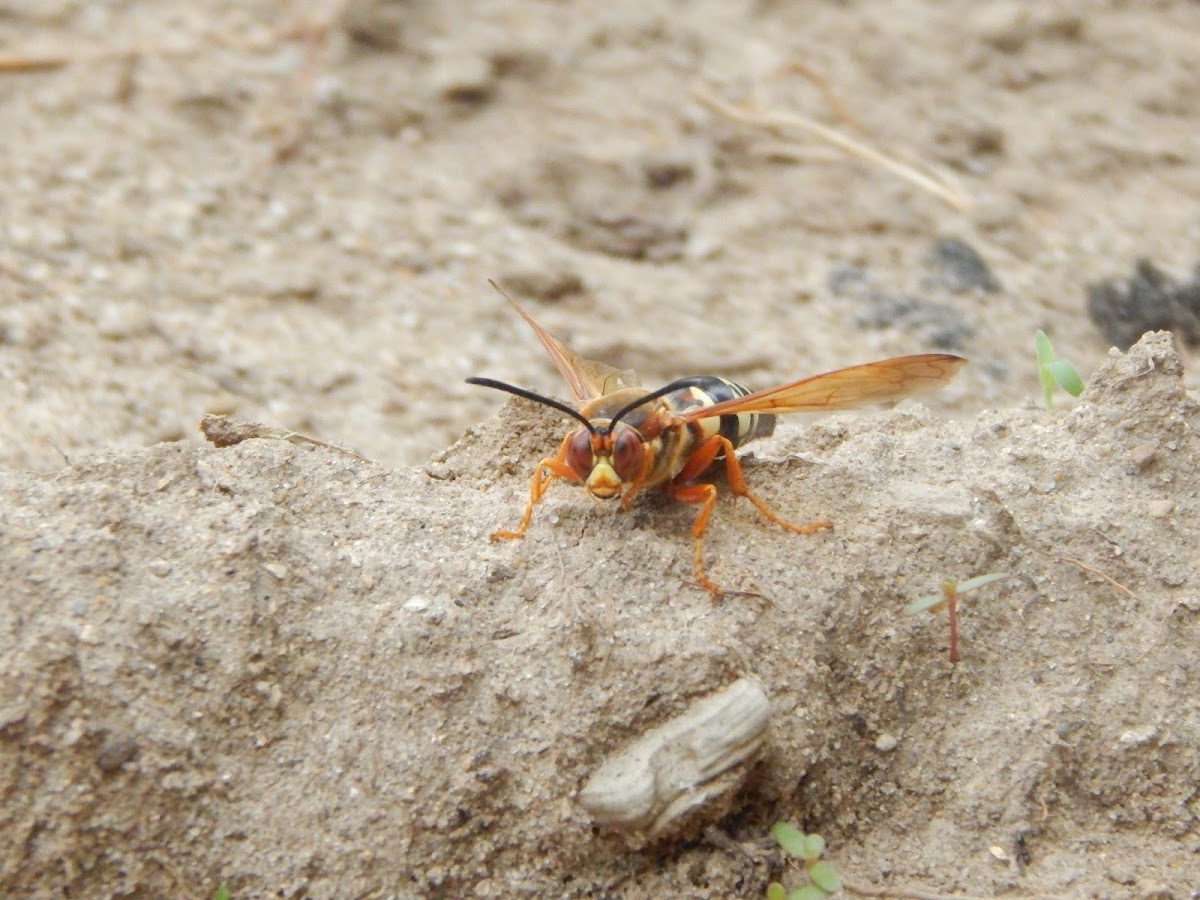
[(739, 428)]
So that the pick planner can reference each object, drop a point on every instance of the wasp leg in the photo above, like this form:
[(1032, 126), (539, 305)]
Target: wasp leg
[(737, 482), (707, 495), (547, 470)]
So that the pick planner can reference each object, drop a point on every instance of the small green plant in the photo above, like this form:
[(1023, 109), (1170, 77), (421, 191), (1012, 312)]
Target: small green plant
[(222, 892), (948, 600), (1054, 371), (823, 878)]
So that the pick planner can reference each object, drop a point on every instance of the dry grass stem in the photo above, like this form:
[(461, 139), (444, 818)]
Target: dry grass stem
[(1098, 573), (31, 63), (821, 83), (913, 894), (941, 185)]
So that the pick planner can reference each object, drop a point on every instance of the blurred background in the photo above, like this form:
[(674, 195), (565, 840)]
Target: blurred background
[(289, 212)]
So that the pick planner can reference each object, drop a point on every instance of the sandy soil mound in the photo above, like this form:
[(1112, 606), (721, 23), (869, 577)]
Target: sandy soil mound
[(307, 674), (301, 673)]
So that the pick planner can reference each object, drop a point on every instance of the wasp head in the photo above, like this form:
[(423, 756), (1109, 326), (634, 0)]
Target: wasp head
[(605, 454), (605, 458)]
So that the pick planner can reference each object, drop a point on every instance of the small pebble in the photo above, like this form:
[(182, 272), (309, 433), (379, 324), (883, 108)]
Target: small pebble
[(498, 572), (465, 79), (116, 752), (279, 570), (374, 24), (1142, 455), (416, 604), (1135, 737), (1160, 509)]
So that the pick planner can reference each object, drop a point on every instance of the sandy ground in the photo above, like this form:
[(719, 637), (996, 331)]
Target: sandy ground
[(306, 674)]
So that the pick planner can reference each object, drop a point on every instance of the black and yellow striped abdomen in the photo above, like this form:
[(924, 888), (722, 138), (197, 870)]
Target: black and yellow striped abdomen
[(674, 446), (738, 429)]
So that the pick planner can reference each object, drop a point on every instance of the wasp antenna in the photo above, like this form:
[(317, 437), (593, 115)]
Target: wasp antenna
[(536, 398), (677, 385)]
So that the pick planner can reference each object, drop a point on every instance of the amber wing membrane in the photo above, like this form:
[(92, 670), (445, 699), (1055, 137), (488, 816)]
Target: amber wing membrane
[(587, 379), (876, 382)]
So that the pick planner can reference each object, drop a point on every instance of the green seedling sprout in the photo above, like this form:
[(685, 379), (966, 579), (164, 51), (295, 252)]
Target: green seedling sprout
[(1054, 371), (823, 878), (222, 893), (948, 600)]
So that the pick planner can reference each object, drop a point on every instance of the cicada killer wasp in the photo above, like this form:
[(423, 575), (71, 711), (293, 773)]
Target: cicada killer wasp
[(631, 439)]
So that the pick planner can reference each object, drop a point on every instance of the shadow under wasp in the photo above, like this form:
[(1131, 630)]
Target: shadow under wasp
[(631, 439)]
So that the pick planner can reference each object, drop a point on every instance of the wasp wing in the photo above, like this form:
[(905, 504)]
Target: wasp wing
[(587, 379), (876, 382)]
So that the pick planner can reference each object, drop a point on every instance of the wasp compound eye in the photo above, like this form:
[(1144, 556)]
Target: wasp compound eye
[(627, 453), (579, 452)]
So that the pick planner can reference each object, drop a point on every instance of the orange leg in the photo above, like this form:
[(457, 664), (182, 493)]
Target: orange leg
[(547, 470), (706, 494)]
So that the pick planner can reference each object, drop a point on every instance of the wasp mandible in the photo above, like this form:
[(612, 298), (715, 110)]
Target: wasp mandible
[(631, 439)]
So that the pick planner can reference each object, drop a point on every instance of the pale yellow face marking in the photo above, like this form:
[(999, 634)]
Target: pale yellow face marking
[(603, 481)]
